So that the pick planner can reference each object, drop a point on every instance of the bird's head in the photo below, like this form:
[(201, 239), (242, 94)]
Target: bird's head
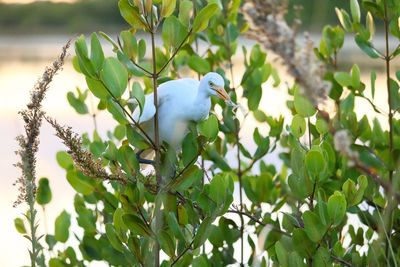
[(214, 84)]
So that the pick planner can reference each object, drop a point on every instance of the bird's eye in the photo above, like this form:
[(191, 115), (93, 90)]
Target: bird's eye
[(210, 84)]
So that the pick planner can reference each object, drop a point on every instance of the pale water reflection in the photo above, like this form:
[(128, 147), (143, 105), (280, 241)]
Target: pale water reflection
[(22, 61)]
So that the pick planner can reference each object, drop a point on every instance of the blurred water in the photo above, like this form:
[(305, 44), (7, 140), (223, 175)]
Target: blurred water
[(23, 60)]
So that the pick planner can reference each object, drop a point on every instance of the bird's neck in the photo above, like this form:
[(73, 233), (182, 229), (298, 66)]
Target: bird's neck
[(201, 105)]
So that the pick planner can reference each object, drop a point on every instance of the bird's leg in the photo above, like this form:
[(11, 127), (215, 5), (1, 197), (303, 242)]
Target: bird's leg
[(146, 161), (143, 161), (139, 152)]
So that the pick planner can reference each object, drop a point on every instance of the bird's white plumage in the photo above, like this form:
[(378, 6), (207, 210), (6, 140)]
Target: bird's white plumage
[(179, 102)]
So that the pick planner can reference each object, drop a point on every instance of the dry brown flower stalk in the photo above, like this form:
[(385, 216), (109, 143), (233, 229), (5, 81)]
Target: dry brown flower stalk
[(83, 159), (268, 26), (29, 143)]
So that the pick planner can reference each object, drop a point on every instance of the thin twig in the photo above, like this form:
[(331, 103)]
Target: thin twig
[(183, 252), (273, 228), (175, 53)]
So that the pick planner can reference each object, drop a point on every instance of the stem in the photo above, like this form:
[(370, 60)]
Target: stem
[(32, 215), (45, 220), (157, 141), (240, 192), (387, 61)]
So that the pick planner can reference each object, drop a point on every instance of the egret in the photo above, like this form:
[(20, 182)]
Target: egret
[(179, 102)]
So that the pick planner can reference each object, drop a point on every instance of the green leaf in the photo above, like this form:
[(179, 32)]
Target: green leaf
[(344, 79), (51, 241), (209, 128), (298, 126), (344, 19), (322, 257), (218, 189), (302, 105), (135, 139), (96, 53), (142, 49), (302, 244), (130, 47), (61, 228), (257, 56), (394, 95), (347, 105), (119, 133), (189, 149), (75, 64), (313, 226), (374, 8), (295, 260), (130, 14), (43, 193), (136, 225), (199, 65), (81, 51), (254, 97), (367, 47), (216, 237), (322, 126), (296, 184), (110, 40), (166, 243), (167, 8), (355, 76), (355, 10), (233, 32), (174, 226), (128, 160), (19, 225), (117, 112), (79, 106), (369, 21), (64, 160), (77, 181), (201, 20), (373, 79), (185, 9), (138, 93), (114, 76), (53, 262), (336, 208), (315, 162), (113, 238), (282, 254), (97, 88), (187, 179), (119, 225), (203, 232), (173, 32)]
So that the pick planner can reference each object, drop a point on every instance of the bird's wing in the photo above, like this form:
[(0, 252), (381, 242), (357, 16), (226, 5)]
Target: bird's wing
[(171, 91)]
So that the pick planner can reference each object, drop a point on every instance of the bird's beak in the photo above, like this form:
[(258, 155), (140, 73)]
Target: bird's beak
[(221, 92)]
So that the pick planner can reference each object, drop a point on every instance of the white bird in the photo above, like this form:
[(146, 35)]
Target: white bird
[(179, 102)]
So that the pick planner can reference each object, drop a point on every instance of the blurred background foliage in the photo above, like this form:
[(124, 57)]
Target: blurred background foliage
[(86, 16)]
